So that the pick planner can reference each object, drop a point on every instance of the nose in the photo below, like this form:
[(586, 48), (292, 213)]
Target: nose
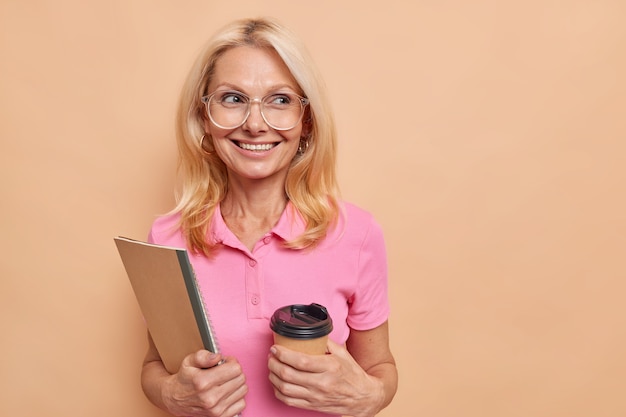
[(255, 123)]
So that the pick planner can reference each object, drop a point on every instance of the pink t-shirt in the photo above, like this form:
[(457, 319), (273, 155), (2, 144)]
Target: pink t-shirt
[(346, 273)]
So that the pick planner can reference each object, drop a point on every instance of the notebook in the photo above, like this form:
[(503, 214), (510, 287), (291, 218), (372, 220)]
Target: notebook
[(167, 292)]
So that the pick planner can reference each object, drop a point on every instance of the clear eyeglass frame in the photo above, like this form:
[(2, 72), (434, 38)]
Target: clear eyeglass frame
[(249, 101)]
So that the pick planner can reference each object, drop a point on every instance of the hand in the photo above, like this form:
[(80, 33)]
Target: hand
[(333, 383), (201, 388)]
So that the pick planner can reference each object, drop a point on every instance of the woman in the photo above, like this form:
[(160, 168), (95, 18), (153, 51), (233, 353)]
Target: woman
[(259, 214)]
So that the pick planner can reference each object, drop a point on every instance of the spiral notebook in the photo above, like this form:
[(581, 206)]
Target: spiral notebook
[(167, 292)]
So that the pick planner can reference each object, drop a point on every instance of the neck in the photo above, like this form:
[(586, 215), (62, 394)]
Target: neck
[(254, 200), (251, 211)]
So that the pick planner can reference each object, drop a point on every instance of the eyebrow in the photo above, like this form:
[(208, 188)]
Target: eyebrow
[(273, 88)]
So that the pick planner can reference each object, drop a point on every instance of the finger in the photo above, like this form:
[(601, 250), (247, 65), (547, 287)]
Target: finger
[(300, 361), (292, 382), (236, 400), (336, 348), (235, 409), (227, 399), (220, 387), (203, 359), (228, 372), (287, 385), (236, 384), (292, 398)]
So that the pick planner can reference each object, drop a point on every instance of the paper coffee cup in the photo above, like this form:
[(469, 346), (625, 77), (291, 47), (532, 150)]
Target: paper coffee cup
[(301, 327)]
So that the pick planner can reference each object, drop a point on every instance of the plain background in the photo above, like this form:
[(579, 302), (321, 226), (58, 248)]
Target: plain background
[(487, 137)]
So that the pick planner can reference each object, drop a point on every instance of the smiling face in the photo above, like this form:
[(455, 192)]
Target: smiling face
[(254, 150)]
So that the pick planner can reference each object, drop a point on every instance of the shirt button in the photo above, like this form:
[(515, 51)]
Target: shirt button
[(255, 300), (252, 262), (266, 239)]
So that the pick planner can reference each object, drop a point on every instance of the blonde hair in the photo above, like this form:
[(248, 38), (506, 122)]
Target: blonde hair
[(311, 183)]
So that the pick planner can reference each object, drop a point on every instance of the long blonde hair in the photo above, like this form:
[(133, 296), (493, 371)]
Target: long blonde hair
[(311, 183)]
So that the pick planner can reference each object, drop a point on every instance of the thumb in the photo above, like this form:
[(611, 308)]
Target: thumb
[(202, 359), (335, 348)]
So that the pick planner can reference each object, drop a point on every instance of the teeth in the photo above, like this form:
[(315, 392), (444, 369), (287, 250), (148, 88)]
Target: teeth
[(259, 147)]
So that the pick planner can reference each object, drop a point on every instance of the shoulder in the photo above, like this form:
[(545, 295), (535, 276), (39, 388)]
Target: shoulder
[(166, 230), (355, 215), (354, 212), (357, 222)]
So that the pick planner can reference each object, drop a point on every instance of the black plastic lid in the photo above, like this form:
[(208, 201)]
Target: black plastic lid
[(300, 321)]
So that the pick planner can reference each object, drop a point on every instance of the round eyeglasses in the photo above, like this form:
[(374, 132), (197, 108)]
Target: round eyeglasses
[(230, 109)]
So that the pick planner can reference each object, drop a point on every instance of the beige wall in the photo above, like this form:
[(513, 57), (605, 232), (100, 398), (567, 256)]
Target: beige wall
[(486, 136)]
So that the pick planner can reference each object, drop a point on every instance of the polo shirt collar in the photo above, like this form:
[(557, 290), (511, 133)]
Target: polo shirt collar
[(290, 225)]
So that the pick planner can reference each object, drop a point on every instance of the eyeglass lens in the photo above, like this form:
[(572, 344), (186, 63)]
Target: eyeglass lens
[(230, 109)]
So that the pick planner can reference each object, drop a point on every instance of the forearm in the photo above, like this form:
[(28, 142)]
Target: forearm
[(153, 376), (387, 376), (370, 349)]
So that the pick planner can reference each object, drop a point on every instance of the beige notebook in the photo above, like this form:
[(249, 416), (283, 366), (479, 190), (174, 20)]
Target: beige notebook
[(167, 292)]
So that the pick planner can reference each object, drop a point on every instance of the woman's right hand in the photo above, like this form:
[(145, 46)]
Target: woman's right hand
[(203, 388), (200, 388)]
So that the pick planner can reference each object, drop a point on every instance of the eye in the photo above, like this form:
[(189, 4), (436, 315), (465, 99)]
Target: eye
[(280, 100), (232, 98)]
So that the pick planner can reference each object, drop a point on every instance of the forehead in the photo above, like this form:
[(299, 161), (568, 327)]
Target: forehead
[(251, 69)]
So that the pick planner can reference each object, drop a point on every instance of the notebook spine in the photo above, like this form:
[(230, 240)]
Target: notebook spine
[(203, 319)]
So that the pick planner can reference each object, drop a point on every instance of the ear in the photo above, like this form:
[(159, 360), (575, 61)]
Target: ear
[(307, 124), (207, 125)]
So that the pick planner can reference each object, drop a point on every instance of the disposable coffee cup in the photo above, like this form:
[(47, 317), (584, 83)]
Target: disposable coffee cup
[(300, 327)]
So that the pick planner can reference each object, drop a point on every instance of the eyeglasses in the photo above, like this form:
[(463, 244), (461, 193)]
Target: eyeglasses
[(230, 109)]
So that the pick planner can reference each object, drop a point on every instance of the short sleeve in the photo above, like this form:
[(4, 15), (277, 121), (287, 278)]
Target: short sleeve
[(369, 305)]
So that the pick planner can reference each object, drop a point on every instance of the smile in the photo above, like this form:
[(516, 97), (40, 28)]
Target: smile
[(261, 147)]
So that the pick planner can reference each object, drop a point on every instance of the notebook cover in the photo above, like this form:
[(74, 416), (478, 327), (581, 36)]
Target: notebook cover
[(166, 290)]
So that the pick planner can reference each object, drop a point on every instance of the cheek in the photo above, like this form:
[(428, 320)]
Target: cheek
[(292, 141), (218, 135), (208, 126), (294, 134)]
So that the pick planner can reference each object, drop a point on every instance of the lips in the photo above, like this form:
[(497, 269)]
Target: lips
[(256, 147)]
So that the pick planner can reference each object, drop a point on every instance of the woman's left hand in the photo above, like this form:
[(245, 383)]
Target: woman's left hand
[(332, 383)]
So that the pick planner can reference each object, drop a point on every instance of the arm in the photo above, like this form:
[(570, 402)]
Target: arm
[(200, 388), (359, 380), (371, 351)]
